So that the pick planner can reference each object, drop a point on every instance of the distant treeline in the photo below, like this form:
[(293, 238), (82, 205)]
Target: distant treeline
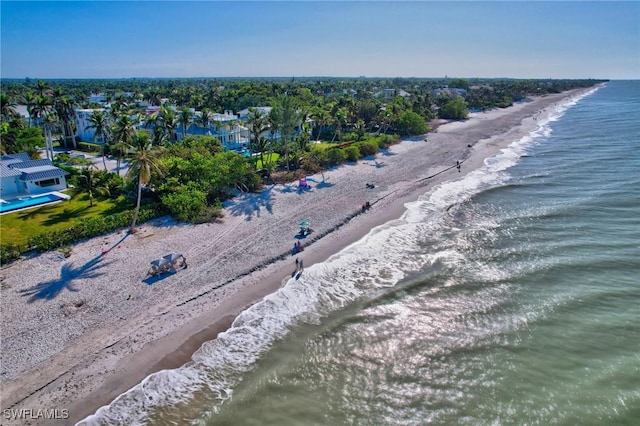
[(235, 94)]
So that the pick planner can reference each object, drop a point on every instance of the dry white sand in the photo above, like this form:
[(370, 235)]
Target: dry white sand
[(78, 331)]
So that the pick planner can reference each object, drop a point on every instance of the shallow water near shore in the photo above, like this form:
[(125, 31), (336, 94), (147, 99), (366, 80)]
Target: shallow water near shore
[(510, 296)]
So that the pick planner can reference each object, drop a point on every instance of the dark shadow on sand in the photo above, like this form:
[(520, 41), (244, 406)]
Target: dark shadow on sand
[(50, 289), (324, 184), (251, 204), (159, 277)]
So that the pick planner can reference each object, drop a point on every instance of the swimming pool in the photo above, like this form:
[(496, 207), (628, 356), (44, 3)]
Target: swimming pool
[(33, 201)]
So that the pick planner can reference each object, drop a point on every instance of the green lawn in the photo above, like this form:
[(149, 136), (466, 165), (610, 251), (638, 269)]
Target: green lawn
[(274, 159), (19, 226)]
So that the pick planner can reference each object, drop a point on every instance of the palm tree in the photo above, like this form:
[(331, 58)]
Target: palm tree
[(143, 165), (8, 108), (168, 121), (321, 118), (100, 122), (289, 118), (88, 182), (204, 120), (64, 108), (41, 107), (339, 120), (29, 100), (257, 125), (49, 122), (123, 131), (185, 117), (273, 118)]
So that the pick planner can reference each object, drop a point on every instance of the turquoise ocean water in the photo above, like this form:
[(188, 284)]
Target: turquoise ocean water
[(511, 296)]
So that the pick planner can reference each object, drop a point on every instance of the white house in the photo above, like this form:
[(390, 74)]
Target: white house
[(83, 123), (225, 127), (390, 93), (20, 175), (263, 110)]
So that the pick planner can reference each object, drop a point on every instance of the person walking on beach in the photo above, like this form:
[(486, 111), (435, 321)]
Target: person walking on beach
[(458, 165), (297, 264)]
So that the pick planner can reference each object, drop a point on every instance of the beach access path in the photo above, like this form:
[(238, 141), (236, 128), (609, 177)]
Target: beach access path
[(78, 331)]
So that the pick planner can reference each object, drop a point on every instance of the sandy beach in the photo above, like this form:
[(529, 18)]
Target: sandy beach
[(79, 331)]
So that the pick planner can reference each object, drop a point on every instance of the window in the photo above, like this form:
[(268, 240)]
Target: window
[(48, 182)]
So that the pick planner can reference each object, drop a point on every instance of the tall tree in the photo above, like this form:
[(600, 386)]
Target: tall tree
[(123, 130), (29, 99), (289, 118), (64, 108), (185, 118), (99, 121), (205, 118), (143, 165), (321, 118), (8, 108), (339, 120), (88, 182), (41, 107), (49, 122), (167, 120), (257, 126), (42, 88)]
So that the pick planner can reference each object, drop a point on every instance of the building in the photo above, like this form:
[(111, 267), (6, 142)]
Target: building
[(263, 110), (225, 127), (391, 93), (21, 176), (84, 131)]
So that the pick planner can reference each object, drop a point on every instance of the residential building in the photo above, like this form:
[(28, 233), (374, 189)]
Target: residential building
[(225, 127), (391, 93), (21, 176), (84, 131)]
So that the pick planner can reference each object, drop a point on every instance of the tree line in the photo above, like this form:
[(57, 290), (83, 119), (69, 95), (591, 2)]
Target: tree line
[(192, 176)]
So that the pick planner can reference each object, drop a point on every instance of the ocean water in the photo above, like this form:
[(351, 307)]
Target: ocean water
[(509, 297)]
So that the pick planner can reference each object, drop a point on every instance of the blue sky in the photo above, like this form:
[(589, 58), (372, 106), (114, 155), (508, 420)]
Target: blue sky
[(91, 39)]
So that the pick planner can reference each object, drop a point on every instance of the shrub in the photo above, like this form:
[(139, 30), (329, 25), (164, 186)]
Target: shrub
[(411, 123), (352, 153), (369, 147), (89, 228), (9, 252), (336, 156), (89, 147), (186, 204)]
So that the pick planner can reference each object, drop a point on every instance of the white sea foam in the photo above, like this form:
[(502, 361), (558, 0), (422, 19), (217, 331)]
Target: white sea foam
[(422, 238)]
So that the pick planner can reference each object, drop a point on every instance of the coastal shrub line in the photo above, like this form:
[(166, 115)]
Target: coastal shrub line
[(87, 228)]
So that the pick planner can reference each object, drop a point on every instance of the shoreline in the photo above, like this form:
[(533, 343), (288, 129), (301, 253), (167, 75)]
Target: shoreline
[(170, 331)]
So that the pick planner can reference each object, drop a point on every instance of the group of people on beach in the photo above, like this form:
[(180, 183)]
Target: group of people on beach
[(297, 247)]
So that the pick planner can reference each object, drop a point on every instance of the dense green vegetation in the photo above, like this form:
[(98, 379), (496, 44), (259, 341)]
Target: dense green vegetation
[(314, 123)]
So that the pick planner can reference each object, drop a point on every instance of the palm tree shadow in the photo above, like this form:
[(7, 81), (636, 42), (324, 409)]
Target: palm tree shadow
[(50, 289), (324, 184)]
